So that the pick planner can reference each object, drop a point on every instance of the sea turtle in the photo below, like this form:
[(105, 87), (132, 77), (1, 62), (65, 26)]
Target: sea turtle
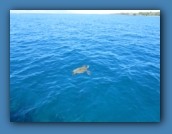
[(81, 70)]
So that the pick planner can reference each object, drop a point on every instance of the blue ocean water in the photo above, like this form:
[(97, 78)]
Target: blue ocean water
[(123, 54)]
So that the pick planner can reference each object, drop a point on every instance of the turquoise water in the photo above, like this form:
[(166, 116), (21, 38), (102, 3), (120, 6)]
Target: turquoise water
[(123, 54)]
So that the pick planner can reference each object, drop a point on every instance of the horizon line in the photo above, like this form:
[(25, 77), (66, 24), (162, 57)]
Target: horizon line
[(80, 11)]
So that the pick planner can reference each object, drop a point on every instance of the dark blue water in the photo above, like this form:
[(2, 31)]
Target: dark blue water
[(123, 53)]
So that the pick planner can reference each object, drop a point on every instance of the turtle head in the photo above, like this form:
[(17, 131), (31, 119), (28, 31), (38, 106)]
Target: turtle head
[(85, 66)]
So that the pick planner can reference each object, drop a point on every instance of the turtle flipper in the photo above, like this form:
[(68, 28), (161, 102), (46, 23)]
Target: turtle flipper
[(73, 74), (88, 72)]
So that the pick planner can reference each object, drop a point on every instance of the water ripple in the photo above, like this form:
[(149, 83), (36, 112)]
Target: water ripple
[(124, 63)]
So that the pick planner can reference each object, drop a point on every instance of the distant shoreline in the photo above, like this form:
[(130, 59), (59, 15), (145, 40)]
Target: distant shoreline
[(139, 14), (130, 14)]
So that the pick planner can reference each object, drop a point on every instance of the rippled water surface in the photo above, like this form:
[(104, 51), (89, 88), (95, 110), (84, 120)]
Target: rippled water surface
[(123, 54)]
